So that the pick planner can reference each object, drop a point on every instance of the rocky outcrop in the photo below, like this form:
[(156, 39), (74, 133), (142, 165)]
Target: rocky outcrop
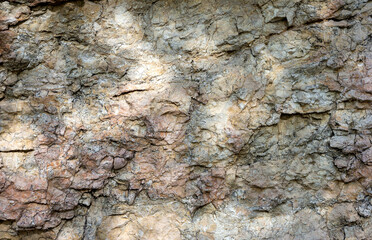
[(139, 119)]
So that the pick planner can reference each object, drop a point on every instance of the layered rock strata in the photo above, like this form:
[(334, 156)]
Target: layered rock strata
[(170, 119)]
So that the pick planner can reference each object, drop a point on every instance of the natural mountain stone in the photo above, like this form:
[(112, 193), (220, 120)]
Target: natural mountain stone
[(169, 119)]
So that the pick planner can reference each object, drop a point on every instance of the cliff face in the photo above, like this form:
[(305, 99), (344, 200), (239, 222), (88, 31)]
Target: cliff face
[(143, 119)]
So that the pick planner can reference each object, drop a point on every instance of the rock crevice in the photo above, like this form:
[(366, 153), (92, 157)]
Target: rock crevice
[(129, 119)]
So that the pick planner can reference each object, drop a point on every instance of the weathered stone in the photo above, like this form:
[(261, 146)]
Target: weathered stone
[(242, 119), (364, 207)]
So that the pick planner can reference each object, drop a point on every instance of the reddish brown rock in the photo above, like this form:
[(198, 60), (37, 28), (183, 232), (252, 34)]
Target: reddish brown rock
[(6, 39), (185, 119)]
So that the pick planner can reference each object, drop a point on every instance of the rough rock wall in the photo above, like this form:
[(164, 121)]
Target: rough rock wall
[(198, 119)]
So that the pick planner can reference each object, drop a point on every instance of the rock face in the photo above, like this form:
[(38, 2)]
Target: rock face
[(170, 119)]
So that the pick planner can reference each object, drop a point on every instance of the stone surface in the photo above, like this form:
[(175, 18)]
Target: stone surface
[(129, 119)]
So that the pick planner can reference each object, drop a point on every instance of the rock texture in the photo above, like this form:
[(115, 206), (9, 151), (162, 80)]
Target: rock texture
[(170, 119)]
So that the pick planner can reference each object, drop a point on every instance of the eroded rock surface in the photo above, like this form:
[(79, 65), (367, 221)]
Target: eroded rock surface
[(139, 119)]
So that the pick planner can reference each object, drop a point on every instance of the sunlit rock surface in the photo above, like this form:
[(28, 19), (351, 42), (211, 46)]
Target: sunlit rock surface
[(145, 119)]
